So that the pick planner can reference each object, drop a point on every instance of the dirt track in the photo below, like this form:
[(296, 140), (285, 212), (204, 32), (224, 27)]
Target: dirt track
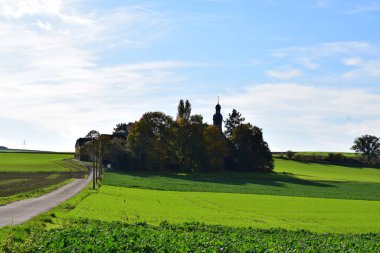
[(21, 211)]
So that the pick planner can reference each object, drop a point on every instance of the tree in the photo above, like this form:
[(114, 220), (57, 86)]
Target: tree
[(216, 148), (234, 119), (189, 147), (196, 119), (183, 112), (121, 126), (115, 153), (368, 146), (249, 150), (150, 140), (290, 154), (93, 134)]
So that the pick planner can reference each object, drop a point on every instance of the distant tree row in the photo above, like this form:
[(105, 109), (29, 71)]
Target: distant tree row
[(157, 142), (367, 146)]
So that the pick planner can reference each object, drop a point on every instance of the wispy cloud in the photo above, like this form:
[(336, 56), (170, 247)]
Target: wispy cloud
[(355, 54), (51, 76), (369, 7), (284, 74), (304, 116), (363, 69), (327, 49)]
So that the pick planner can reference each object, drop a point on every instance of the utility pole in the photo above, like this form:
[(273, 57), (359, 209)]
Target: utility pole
[(24, 144), (100, 158), (93, 165)]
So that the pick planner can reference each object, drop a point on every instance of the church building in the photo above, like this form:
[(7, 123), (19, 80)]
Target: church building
[(218, 117)]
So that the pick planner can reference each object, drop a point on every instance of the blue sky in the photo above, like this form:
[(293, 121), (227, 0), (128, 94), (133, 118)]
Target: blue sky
[(306, 72)]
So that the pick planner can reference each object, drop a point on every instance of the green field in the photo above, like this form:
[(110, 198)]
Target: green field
[(36, 162), (295, 213), (290, 179), (29, 174), (96, 236), (316, 171), (315, 197), (241, 211)]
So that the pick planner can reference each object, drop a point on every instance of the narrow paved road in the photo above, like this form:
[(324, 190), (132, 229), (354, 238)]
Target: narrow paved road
[(23, 210)]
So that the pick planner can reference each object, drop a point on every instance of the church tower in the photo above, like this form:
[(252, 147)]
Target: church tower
[(218, 117)]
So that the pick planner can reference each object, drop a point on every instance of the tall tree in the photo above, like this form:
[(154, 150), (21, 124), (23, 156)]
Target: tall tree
[(368, 146), (234, 119), (183, 112), (187, 113)]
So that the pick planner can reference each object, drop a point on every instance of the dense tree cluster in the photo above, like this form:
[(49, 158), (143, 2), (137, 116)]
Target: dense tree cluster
[(157, 142)]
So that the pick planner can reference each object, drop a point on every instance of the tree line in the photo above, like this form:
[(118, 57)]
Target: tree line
[(366, 146), (157, 142)]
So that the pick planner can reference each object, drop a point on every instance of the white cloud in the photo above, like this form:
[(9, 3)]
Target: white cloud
[(284, 74), (364, 69), (356, 54), (307, 63), (50, 74), (353, 61), (44, 25), (17, 9), (301, 117)]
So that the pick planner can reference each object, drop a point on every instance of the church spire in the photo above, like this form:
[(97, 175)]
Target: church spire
[(218, 117)]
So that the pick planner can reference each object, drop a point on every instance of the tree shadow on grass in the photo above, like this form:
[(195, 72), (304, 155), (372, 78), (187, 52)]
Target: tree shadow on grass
[(274, 179)]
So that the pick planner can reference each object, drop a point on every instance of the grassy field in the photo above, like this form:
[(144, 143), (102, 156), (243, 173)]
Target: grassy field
[(316, 197), (37, 162), (262, 211), (316, 171), (290, 179), (242, 212)]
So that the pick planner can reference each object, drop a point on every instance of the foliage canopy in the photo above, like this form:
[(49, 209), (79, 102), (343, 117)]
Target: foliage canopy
[(368, 146)]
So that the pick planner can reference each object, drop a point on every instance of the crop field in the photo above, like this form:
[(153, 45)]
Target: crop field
[(96, 236), (37, 162), (290, 179), (15, 183), (301, 207), (262, 211), (316, 171), (29, 174)]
